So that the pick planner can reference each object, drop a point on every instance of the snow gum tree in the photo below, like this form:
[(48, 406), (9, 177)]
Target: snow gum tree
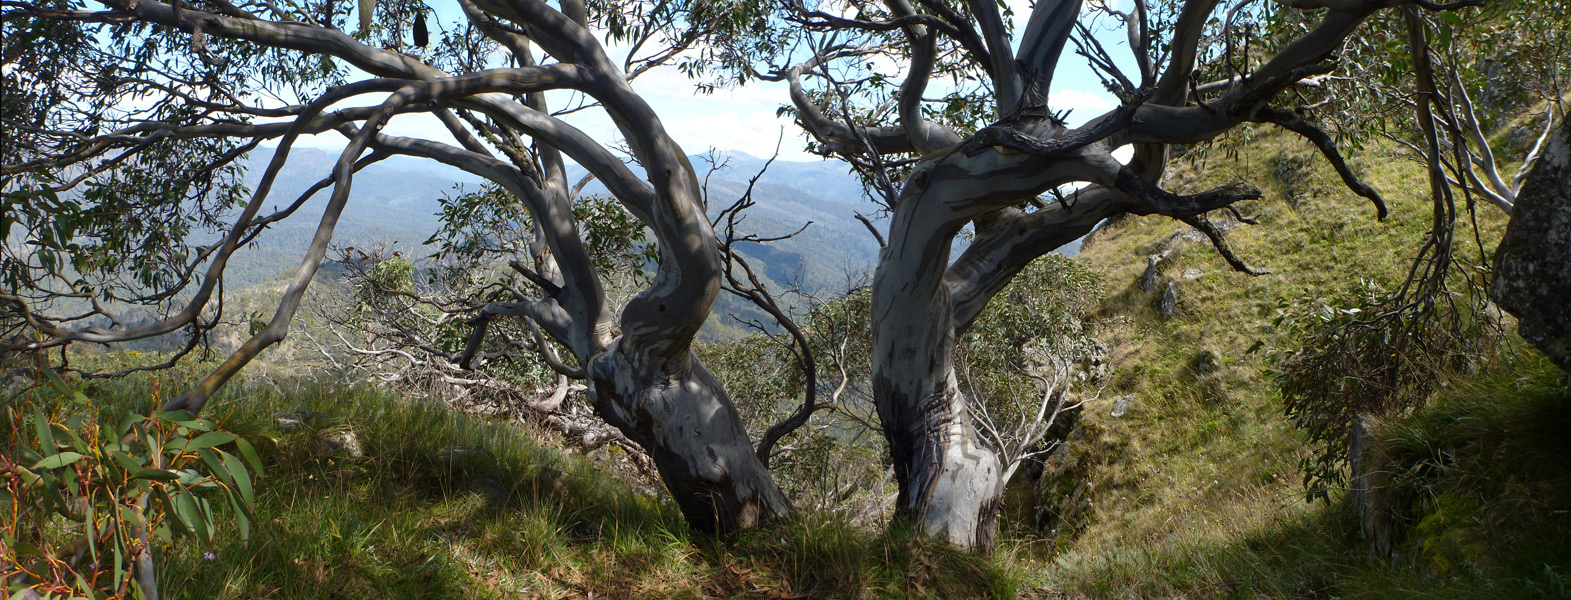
[(947, 109), (124, 120)]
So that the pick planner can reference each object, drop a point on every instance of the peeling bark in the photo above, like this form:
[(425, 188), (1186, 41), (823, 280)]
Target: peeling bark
[(682, 415)]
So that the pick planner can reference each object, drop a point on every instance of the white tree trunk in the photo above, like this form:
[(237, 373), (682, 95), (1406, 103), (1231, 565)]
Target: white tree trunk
[(947, 479), (680, 413)]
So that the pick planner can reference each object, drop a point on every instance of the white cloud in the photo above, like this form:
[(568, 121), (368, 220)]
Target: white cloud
[(1124, 153), (1085, 103), (755, 133)]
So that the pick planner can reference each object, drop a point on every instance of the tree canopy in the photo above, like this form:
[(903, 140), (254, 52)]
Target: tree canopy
[(124, 121)]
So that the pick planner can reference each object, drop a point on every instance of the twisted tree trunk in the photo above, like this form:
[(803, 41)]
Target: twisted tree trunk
[(680, 413), (947, 481)]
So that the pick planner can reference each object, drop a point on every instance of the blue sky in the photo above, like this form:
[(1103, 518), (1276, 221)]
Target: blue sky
[(744, 119)]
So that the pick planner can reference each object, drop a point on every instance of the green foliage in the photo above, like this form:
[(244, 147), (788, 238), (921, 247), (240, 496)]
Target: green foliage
[(1046, 311), (1366, 354), (376, 275), (1486, 462), (506, 518), (126, 225), (835, 462), (478, 227), (116, 491), (1506, 56), (615, 239)]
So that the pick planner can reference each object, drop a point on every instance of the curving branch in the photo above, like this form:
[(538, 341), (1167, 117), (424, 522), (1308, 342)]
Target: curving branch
[(1048, 30), (1008, 81), (927, 137), (994, 259), (1219, 241), (836, 136), (1296, 124), (1151, 199)]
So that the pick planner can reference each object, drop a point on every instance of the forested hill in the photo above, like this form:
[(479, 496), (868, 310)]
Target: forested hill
[(1181, 479), (397, 201)]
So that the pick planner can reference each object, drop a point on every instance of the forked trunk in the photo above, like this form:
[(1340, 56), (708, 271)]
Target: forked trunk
[(683, 417)]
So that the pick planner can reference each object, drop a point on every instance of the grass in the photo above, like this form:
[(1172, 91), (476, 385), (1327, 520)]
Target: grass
[(1489, 478), (1196, 492), (412, 518)]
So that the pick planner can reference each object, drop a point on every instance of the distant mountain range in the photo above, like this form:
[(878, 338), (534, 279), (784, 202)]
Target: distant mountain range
[(396, 203)]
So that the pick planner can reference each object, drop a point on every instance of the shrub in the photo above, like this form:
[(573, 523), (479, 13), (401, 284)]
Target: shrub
[(81, 489)]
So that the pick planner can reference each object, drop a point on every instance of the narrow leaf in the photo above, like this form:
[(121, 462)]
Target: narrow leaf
[(59, 460), (242, 479), (155, 475), (249, 453), (46, 438), (210, 439)]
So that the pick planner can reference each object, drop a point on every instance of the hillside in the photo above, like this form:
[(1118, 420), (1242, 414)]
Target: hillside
[(428, 503), (1193, 492), (396, 203), (1196, 491)]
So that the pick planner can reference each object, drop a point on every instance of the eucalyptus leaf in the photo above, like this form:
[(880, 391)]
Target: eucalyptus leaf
[(58, 460)]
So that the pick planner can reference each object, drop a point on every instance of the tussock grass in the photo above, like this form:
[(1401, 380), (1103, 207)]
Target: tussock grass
[(424, 515), (1196, 491)]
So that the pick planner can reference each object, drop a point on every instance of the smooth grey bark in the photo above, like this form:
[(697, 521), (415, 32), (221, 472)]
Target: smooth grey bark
[(947, 481), (643, 376), (922, 303), (681, 414), (950, 482)]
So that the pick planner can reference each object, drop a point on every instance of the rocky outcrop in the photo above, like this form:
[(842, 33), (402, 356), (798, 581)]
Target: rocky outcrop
[(1533, 264), (341, 442), (1167, 305), (1153, 273), (1379, 520), (1121, 406)]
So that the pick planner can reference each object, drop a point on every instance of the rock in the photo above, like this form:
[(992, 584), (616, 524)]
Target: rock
[(1167, 305), (1533, 264), (1121, 405), (465, 453), (1207, 363), (292, 420), (1153, 274), (338, 442), (1191, 273), (16, 382), (1063, 491), (1520, 141), (1380, 521)]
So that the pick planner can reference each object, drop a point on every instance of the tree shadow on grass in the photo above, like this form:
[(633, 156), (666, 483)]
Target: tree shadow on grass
[(443, 505)]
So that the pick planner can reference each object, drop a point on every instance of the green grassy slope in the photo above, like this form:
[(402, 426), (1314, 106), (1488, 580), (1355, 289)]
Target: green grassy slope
[(424, 514), (1197, 493), (1194, 493)]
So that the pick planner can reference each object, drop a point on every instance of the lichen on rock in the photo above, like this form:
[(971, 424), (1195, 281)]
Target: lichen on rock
[(1533, 264)]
